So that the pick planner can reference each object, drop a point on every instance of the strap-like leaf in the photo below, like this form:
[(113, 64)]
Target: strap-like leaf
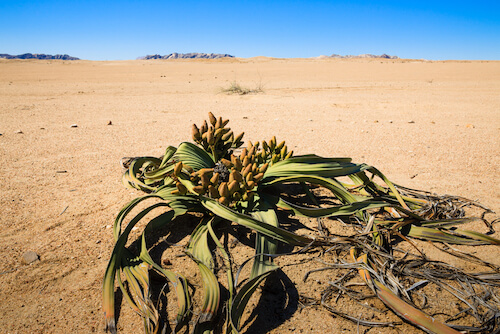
[(391, 186), (338, 190), (211, 293), (138, 281), (198, 245), (114, 262), (263, 244), (478, 236), (200, 252), (315, 166), (178, 281), (125, 211), (241, 300), (193, 156), (340, 210), (135, 168), (169, 153), (247, 221), (432, 234)]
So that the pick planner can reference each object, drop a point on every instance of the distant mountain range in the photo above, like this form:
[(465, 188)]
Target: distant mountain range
[(192, 55), (175, 55), (37, 56), (366, 55), (195, 55)]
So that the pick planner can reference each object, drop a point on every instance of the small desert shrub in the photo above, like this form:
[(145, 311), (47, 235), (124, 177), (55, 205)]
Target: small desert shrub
[(236, 88)]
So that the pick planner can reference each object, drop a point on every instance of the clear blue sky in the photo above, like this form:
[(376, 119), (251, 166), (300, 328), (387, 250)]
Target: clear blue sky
[(109, 30)]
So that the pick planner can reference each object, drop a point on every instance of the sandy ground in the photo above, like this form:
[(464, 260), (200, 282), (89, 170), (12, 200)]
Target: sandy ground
[(427, 125)]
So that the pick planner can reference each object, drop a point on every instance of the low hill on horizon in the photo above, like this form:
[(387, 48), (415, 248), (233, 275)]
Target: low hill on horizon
[(37, 56), (191, 55), (365, 55)]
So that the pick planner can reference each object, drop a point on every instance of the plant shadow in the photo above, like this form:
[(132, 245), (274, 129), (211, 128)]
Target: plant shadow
[(278, 302), (118, 303)]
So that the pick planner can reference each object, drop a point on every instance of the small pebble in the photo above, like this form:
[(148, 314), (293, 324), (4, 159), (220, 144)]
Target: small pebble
[(110, 123), (411, 122), (73, 125), (470, 126), (19, 131), (29, 257)]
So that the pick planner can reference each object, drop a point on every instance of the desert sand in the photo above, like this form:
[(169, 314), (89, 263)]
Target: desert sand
[(427, 125)]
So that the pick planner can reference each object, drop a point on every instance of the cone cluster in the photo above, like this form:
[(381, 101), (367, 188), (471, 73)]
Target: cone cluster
[(270, 152), (239, 184), (234, 178), (215, 137)]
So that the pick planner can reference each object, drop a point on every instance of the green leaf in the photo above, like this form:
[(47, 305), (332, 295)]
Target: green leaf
[(313, 158), (135, 168), (126, 210), (263, 244), (160, 173), (247, 221), (138, 281), (178, 281), (113, 265), (313, 166), (198, 245), (225, 257), (200, 252), (241, 300), (169, 153), (193, 156), (340, 210), (486, 239), (391, 186), (431, 234), (211, 293), (446, 222), (334, 186), (180, 203)]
